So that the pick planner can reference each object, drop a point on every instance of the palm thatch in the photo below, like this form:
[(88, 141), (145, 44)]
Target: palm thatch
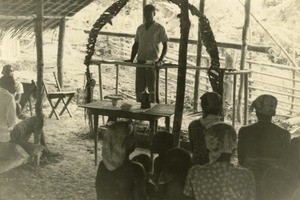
[(17, 17)]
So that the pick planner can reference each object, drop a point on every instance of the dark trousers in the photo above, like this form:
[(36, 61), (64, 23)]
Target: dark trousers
[(145, 77)]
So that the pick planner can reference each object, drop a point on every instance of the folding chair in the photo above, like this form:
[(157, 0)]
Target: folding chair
[(60, 97), (29, 92)]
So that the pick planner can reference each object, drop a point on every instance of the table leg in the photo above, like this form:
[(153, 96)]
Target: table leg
[(96, 138), (153, 130), (167, 123)]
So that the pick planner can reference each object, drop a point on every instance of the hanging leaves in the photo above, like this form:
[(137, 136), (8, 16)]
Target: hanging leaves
[(215, 74), (104, 18)]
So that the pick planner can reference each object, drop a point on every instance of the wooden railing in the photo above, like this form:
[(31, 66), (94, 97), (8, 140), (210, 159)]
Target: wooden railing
[(280, 80)]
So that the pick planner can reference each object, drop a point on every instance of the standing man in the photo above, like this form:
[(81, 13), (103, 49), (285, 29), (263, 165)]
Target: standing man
[(146, 46)]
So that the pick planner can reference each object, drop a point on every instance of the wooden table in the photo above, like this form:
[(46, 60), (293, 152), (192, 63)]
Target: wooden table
[(105, 108)]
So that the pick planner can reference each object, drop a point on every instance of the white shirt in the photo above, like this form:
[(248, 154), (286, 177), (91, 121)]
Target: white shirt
[(8, 116)]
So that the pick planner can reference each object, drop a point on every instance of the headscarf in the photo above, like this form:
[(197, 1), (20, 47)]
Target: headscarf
[(264, 104), (220, 138), (211, 103), (8, 83), (118, 143)]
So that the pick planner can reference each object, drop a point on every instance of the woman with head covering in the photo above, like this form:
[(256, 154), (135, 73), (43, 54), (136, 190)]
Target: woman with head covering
[(219, 179), (262, 144), (117, 176), (211, 104)]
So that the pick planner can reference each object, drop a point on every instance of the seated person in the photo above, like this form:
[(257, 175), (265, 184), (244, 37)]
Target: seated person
[(145, 160), (161, 143), (10, 128), (8, 71), (262, 144), (117, 176), (293, 158), (172, 178), (219, 179), (277, 184), (211, 104)]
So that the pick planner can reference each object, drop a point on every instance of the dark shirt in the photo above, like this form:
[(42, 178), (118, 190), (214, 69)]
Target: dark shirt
[(261, 145), (125, 183), (197, 139)]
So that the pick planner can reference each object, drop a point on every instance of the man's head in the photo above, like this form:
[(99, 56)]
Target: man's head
[(211, 103), (7, 70), (149, 13), (162, 142), (8, 83), (265, 106)]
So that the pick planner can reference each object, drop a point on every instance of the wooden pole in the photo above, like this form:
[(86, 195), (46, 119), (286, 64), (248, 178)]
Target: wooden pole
[(243, 57), (181, 76), (198, 60), (40, 71), (60, 51)]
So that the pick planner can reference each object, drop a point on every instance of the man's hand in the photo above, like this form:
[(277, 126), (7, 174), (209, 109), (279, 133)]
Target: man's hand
[(159, 63), (131, 61)]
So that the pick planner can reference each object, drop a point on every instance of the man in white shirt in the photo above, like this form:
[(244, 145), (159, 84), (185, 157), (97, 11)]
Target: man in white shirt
[(146, 46), (8, 71)]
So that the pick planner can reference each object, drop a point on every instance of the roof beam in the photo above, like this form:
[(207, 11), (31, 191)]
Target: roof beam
[(29, 17)]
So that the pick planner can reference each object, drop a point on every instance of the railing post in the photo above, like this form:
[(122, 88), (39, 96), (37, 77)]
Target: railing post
[(234, 100), (245, 98), (166, 85), (117, 79), (100, 82)]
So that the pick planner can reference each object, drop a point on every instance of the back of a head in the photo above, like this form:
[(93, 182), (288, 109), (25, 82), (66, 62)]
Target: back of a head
[(8, 83), (177, 162), (118, 143), (149, 8), (144, 160), (277, 184), (220, 139), (162, 142), (6, 70), (211, 103), (265, 106)]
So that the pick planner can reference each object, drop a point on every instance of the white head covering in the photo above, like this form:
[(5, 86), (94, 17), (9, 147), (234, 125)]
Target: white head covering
[(220, 138)]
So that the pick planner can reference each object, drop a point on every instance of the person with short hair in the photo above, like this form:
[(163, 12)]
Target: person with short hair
[(220, 179), (162, 142), (262, 144), (117, 176), (211, 104), (172, 178), (146, 46), (8, 71)]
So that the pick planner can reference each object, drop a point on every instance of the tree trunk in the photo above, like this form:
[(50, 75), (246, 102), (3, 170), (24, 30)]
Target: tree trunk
[(243, 58), (60, 51), (40, 71), (198, 60), (181, 76)]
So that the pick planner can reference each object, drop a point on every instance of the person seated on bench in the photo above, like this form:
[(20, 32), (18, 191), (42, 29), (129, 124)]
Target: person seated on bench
[(8, 71), (211, 104), (262, 144), (11, 130), (117, 176)]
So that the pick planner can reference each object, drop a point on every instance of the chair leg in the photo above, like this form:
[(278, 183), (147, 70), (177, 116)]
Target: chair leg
[(54, 107), (66, 106)]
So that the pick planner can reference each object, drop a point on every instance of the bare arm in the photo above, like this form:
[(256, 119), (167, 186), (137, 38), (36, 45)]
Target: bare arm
[(163, 54), (134, 51), (18, 98)]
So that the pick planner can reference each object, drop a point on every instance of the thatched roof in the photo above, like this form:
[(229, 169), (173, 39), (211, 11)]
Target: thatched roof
[(18, 16)]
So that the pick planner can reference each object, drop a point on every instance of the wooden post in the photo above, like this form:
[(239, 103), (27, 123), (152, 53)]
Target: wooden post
[(181, 77), (60, 51), (40, 71), (243, 57), (198, 60)]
